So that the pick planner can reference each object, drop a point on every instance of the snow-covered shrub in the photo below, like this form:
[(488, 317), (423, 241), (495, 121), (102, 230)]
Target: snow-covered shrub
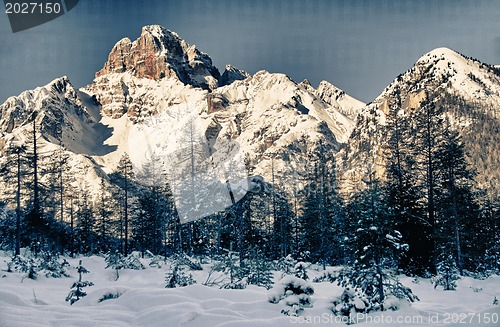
[(115, 261), (184, 259), (29, 267), (258, 270), (285, 264), (300, 270), (49, 263), (373, 287), (447, 274), (156, 260), (326, 277), (77, 292), (176, 277), (234, 274), (348, 304), (294, 293), (110, 296), (495, 301), (133, 262)]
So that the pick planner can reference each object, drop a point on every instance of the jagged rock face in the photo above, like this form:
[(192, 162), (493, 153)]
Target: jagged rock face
[(159, 53), (232, 74), (271, 114), (142, 77)]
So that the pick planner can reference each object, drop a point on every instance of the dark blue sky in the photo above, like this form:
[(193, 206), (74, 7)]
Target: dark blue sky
[(358, 45)]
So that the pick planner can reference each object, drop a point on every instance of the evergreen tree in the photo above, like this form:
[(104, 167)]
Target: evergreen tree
[(103, 216), (377, 247), (115, 261), (447, 273), (176, 277), (456, 207), (259, 270), (322, 209), (404, 190), (85, 219), (77, 291), (125, 174)]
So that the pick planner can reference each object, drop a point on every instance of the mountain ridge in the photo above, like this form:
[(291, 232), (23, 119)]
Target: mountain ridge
[(147, 87)]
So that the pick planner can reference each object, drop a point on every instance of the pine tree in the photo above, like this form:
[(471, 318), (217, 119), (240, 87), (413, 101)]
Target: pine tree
[(176, 277), (454, 198), (103, 215), (377, 247), (125, 174), (85, 219), (427, 129), (115, 261), (322, 209), (404, 190), (447, 273), (259, 270), (15, 152), (77, 291)]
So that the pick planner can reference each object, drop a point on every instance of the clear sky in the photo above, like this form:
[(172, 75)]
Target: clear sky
[(358, 45)]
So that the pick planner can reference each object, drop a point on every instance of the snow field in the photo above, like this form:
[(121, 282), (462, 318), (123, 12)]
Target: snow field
[(143, 301)]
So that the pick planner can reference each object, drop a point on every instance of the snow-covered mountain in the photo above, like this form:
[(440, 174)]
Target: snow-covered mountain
[(471, 92), (151, 89)]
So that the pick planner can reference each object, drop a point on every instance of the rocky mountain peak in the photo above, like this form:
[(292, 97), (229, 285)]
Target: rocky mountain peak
[(232, 74), (159, 53)]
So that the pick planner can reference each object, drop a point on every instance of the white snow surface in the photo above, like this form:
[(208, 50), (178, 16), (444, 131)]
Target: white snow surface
[(145, 302)]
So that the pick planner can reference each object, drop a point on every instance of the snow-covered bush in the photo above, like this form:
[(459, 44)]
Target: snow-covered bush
[(285, 264), (184, 259), (326, 277), (300, 270), (77, 291), (373, 287), (115, 261), (156, 260), (133, 262), (110, 296), (29, 267), (258, 270), (348, 304), (234, 275), (51, 266), (294, 293), (176, 277), (447, 274)]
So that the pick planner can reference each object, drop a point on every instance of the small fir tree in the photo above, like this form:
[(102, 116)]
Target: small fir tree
[(77, 291), (176, 277)]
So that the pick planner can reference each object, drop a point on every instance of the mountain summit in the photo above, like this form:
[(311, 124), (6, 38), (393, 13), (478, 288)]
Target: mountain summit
[(159, 53)]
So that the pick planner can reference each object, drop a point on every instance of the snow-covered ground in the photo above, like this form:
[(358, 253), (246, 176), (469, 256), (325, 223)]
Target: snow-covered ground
[(145, 302)]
